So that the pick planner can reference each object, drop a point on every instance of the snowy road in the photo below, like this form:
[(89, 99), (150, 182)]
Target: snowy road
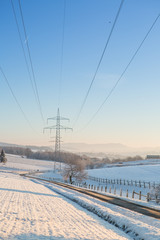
[(29, 210)]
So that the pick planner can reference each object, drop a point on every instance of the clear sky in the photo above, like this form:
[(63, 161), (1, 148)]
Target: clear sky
[(130, 116)]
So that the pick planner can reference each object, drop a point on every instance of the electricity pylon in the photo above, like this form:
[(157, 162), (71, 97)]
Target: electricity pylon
[(58, 127)]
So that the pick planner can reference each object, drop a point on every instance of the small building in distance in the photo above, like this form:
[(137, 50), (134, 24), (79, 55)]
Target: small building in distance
[(153, 157)]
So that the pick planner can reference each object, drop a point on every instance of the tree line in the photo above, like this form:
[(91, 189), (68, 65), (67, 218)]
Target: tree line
[(89, 162), (41, 155)]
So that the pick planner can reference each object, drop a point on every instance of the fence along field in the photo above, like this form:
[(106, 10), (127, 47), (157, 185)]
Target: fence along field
[(124, 188), (138, 190), (125, 182)]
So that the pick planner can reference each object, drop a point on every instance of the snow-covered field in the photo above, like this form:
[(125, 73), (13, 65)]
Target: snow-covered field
[(19, 163), (32, 209), (29, 210), (146, 173)]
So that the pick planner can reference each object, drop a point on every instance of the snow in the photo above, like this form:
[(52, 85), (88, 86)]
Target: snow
[(128, 173), (19, 163), (33, 209), (148, 173), (30, 210), (140, 172), (136, 225)]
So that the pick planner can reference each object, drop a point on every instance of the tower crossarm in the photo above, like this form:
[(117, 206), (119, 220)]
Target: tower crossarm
[(63, 118), (52, 118), (65, 128), (58, 117), (50, 127)]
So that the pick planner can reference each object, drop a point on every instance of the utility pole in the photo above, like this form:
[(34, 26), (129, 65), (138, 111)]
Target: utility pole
[(58, 127)]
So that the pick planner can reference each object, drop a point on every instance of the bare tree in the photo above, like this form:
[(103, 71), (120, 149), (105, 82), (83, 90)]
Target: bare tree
[(74, 168)]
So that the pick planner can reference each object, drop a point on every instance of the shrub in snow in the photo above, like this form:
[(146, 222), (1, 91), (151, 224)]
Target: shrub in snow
[(155, 194), (3, 158)]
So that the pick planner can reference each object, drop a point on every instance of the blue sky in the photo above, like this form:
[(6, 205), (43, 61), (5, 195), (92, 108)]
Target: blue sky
[(130, 116)]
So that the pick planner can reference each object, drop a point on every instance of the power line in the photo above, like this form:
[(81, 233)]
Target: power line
[(122, 74), (100, 60), (23, 50), (31, 63), (16, 100), (62, 52)]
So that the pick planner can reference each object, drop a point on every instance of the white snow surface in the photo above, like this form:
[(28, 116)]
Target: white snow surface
[(148, 173), (33, 209), (29, 210)]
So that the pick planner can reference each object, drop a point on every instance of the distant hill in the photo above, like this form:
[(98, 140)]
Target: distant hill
[(84, 147), (112, 150), (101, 150), (33, 148)]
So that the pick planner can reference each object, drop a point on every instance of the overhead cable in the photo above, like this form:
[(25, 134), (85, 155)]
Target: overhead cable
[(62, 53), (31, 63), (124, 71), (23, 50), (100, 60), (16, 100)]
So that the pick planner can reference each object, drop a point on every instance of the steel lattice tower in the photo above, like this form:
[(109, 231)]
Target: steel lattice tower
[(57, 143), (58, 128)]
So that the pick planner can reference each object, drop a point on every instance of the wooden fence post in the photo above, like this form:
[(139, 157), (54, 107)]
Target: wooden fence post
[(133, 194), (148, 197), (127, 193), (120, 192), (140, 195)]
